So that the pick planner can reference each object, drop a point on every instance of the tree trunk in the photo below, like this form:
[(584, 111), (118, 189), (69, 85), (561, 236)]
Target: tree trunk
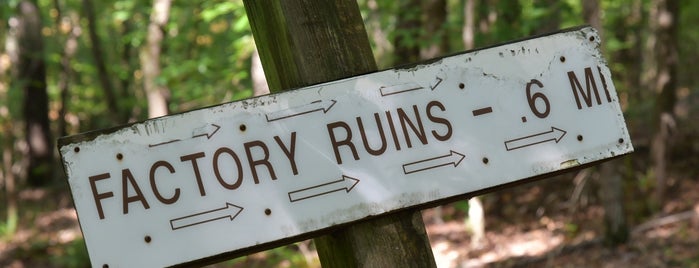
[(127, 94), (476, 212), (435, 20), (610, 180), (487, 15), (7, 176), (664, 19), (552, 20), (303, 42), (591, 15), (9, 183), (468, 32), (616, 231), (382, 45), (627, 28), (156, 94), (98, 55), (259, 82), (68, 25), (31, 78), (407, 33)]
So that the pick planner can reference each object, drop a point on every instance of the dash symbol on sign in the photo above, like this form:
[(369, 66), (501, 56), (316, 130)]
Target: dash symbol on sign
[(482, 111), (345, 183), (315, 106), (207, 131), (228, 211), (397, 89), (555, 134), (453, 158)]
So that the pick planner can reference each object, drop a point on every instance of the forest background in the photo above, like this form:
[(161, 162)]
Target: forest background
[(70, 66)]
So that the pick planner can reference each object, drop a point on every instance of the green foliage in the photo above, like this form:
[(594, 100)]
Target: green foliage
[(206, 60), (73, 254), (8, 228), (285, 256), (571, 229), (211, 46), (462, 206)]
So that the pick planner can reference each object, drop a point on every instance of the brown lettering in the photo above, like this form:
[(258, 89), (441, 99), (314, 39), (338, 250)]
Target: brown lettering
[(126, 179), (237, 164), (153, 185), (99, 196), (347, 141), (289, 152), (604, 84), (368, 148), (439, 120), (193, 158), (403, 118), (264, 161), (590, 86), (393, 130)]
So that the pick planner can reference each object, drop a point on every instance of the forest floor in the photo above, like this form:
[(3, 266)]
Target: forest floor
[(540, 224), (542, 229)]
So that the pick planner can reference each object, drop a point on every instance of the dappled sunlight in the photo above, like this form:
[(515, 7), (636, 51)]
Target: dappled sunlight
[(458, 116), (451, 244), (443, 255)]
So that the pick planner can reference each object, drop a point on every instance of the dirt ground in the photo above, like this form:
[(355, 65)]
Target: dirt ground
[(551, 233), (542, 224)]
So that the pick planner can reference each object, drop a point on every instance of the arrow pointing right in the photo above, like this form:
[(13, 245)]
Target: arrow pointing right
[(555, 134), (346, 183), (397, 89), (207, 131), (453, 158), (438, 80), (228, 211), (319, 105)]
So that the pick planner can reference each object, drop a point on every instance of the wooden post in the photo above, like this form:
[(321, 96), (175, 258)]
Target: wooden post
[(304, 42)]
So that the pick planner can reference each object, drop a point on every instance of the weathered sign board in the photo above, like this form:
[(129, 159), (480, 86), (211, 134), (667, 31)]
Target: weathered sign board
[(232, 177)]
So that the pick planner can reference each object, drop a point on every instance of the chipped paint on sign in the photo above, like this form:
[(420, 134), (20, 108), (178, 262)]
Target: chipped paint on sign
[(231, 177)]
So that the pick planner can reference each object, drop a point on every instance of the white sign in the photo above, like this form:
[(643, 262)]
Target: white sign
[(222, 179)]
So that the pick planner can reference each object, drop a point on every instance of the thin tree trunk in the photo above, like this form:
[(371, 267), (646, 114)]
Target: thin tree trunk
[(9, 183), (31, 78), (627, 27), (610, 180), (127, 92), (435, 35), (408, 25), (98, 56), (468, 31), (552, 20), (616, 231), (664, 20), (259, 82), (126, 56), (7, 137), (476, 212), (591, 15), (67, 25), (382, 46), (156, 94), (486, 16), (637, 19), (435, 19)]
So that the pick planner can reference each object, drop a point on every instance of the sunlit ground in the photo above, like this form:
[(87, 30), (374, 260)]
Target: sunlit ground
[(514, 238)]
